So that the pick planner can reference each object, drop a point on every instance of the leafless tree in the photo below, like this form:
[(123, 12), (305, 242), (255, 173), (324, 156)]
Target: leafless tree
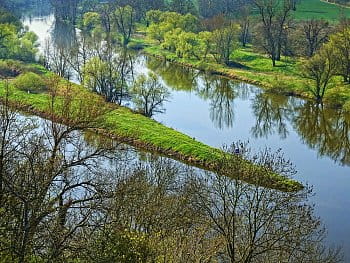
[(275, 18)]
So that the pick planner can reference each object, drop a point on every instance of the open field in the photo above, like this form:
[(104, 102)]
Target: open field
[(308, 9)]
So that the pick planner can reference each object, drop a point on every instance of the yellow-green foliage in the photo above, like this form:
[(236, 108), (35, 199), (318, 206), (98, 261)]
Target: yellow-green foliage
[(31, 82), (346, 106)]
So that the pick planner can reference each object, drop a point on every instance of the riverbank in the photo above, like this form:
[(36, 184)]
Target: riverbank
[(71, 104), (253, 68)]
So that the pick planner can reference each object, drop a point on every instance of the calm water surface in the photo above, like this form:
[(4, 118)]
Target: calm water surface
[(218, 111)]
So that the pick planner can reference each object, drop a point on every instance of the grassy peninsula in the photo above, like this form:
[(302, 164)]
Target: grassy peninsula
[(72, 104)]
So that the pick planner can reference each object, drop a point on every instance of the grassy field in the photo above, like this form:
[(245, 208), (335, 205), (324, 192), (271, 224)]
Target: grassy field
[(319, 9), (74, 105)]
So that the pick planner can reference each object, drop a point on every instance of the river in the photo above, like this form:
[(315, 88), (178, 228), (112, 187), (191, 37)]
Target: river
[(218, 111)]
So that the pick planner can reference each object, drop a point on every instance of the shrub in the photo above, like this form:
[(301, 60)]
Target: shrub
[(30, 82), (10, 68)]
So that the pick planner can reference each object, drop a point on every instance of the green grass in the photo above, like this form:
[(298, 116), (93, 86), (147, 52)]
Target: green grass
[(308, 9), (135, 129), (255, 68)]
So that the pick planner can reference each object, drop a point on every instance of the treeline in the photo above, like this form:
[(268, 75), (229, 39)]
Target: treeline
[(272, 31)]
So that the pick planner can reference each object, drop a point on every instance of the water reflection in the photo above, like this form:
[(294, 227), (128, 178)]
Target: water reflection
[(65, 10), (63, 34), (326, 130), (221, 93), (272, 113), (176, 77), (64, 191), (322, 129)]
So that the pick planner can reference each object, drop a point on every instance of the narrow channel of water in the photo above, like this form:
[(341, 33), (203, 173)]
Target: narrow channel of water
[(218, 111)]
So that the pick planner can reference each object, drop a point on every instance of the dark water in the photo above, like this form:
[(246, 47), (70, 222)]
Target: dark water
[(218, 111)]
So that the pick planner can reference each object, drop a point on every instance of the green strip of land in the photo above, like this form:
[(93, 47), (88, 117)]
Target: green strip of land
[(255, 68), (74, 105)]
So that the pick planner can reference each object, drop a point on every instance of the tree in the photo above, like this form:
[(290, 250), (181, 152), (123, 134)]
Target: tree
[(182, 7), (315, 32), (259, 224), (47, 176), (224, 41), (321, 68), (102, 78), (340, 42), (245, 24), (162, 23), (188, 45), (124, 17), (275, 18), (149, 95)]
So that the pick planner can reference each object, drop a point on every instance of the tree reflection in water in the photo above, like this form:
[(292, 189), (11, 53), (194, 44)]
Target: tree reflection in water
[(61, 194), (323, 129), (326, 130), (174, 76), (272, 112)]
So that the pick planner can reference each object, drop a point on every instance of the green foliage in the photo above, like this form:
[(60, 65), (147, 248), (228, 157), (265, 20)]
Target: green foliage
[(121, 246), (14, 42), (30, 82), (154, 16), (178, 33), (10, 68), (321, 68), (340, 44), (91, 20), (346, 106), (188, 45), (162, 23), (95, 72)]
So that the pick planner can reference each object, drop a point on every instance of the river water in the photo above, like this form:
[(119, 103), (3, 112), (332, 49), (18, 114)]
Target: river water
[(218, 111)]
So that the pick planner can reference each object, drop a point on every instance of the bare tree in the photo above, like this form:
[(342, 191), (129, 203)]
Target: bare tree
[(149, 95), (316, 32), (49, 179), (260, 224), (275, 18)]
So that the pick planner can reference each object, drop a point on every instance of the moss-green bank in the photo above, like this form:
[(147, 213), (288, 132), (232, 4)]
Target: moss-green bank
[(74, 105)]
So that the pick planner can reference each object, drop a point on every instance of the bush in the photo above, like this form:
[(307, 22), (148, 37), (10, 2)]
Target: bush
[(10, 68), (30, 82)]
